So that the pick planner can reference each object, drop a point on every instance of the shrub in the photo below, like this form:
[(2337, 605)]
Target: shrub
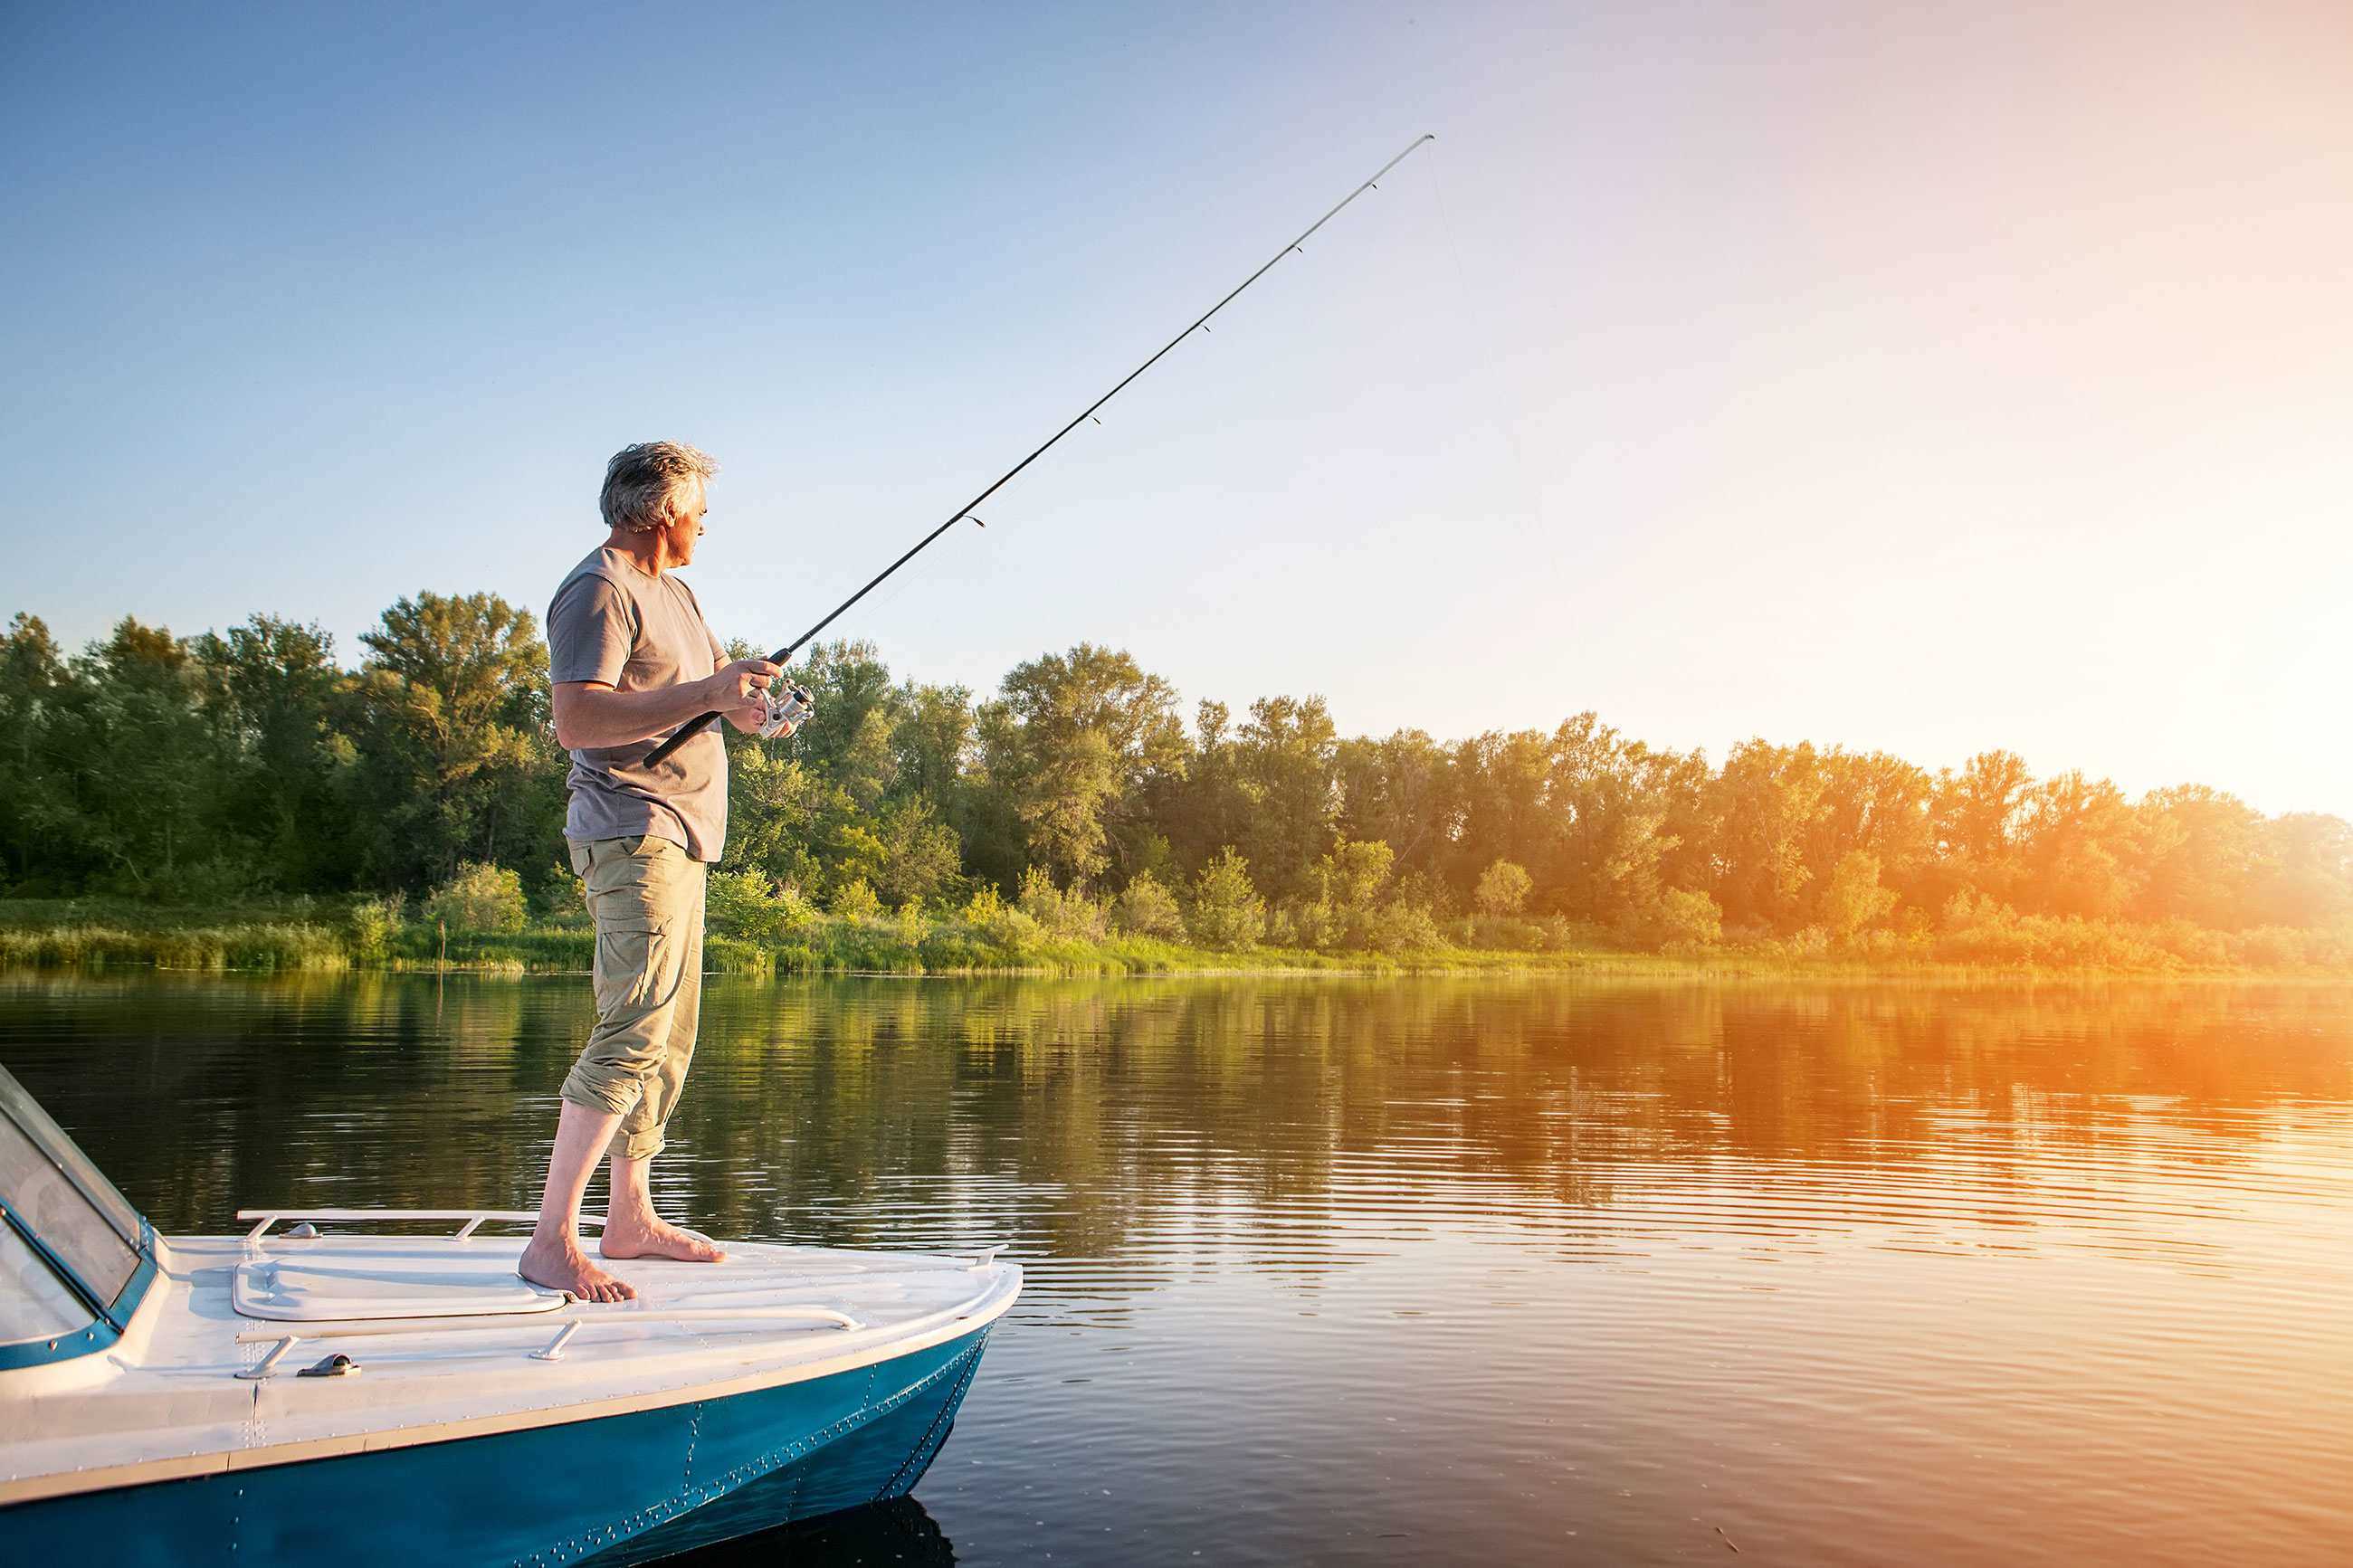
[(375, 925), (556, 892), (998, 923), (480, 898), (1678, 922), (1352, 876), (854, 900), (1502, 932), (1065, 915), (747, 906), (1314, 924), (1227, 911), (1399, 926), (1503, 888), (1148, 908), (957, 947), (1558, 933)]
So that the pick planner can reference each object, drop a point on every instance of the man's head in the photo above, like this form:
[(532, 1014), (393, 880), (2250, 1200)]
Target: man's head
[(654, 494)]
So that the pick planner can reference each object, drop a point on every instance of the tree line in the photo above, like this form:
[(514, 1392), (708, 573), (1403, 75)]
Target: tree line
[(253, 763)]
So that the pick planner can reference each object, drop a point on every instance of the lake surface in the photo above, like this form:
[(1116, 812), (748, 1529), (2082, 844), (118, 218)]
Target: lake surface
[(1428, 1271)]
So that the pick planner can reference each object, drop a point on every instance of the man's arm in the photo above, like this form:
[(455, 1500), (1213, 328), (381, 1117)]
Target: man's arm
[(591, 714)]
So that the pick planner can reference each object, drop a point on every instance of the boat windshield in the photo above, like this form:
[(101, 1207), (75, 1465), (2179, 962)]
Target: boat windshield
[(34, 1302), (55, 1198)]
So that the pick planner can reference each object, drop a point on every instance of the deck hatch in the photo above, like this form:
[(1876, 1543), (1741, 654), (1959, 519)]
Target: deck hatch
[(378, 1278)]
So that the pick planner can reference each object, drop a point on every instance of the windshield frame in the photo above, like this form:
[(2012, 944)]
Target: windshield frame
[(110, 1315)]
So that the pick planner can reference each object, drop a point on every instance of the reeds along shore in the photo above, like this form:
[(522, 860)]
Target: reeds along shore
[(37, 935)]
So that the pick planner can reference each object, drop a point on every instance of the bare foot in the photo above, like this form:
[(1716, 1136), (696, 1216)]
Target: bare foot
[(561, 1266), (650, 1235)]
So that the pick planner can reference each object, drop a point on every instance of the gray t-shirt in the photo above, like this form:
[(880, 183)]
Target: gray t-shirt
[(611, 622)]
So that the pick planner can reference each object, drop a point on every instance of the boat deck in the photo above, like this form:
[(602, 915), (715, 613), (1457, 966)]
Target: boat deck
[(449, 1344)]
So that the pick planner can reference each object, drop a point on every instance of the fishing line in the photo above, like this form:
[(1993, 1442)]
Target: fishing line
[(784, 654)]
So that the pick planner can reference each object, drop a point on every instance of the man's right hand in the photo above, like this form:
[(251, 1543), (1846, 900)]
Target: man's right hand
[(742, 689)]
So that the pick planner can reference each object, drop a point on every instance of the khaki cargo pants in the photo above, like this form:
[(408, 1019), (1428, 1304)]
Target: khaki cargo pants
[(646, 897)]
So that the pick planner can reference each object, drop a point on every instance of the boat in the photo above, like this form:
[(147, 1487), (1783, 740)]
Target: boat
[(338, 1385)]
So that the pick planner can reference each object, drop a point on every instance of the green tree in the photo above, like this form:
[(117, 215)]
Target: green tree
[(1977, 815), (1503, 888), (1148, 908), (274, 692), (481, 899), (1399, 791), (1227, 911), (1680, 921), (455, 759), (1283, 758), (142, 767), (1352, 875), (1502, 787), (37, 805), (1764, 805), (1074, 738), (1853, 900), (2202, 854), (2078, 848), (1879, 805), (2305, 879)]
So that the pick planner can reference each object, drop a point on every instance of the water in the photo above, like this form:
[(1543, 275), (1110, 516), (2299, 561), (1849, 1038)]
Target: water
[(1367, 1272)]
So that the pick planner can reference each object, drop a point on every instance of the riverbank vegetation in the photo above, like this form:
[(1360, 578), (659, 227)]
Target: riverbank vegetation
[(242, 800)]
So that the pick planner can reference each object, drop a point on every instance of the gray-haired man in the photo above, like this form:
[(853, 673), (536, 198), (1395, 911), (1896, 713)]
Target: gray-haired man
[(631, 659)]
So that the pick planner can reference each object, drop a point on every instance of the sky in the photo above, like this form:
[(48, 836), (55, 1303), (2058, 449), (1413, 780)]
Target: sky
[(1927, 379)]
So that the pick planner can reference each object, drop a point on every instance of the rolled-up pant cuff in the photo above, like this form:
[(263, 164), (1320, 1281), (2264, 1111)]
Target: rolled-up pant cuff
[(608, 1092), (637, 1145), (616, 1098)]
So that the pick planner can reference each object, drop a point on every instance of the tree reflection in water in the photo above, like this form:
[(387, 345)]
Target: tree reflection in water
[(1060, 1114), (1317, 1266)]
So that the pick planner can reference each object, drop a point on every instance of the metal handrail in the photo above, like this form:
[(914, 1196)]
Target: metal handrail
[(472, 1218)]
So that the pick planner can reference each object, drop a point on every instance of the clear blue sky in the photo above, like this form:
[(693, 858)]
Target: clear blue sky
[(1973, 378)]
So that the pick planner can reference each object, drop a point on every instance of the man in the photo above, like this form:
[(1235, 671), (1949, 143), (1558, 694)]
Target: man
[(631, 659)]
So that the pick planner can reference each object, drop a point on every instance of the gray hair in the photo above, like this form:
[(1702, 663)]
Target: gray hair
[(647, 484)]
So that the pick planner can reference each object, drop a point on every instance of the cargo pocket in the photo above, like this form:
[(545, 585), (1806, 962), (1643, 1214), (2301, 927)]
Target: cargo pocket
[(628, 966), (630, 895)]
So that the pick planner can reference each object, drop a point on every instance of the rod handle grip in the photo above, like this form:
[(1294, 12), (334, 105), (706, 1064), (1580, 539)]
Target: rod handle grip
[(686, 731)]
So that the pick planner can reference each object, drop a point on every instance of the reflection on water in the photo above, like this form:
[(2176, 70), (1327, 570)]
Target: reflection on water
[(896, 1533), (1372, 1271)]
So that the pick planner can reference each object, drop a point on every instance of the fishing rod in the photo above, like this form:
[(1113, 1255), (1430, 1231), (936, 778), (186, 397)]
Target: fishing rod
[(693, 727)]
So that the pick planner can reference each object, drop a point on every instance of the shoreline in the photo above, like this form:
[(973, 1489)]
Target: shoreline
[(169, 940)]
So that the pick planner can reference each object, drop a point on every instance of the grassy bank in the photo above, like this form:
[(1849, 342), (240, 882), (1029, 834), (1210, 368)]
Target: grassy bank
[(305, 934)]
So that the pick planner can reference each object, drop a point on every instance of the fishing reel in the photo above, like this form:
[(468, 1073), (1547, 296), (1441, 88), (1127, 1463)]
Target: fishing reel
[(789, 708)]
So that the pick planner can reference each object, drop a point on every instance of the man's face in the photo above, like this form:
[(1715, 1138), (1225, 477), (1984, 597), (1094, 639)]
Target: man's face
[(686, 528)]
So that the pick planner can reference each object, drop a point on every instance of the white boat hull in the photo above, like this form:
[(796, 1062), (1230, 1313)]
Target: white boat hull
[(619, 1489), (784, 1383)]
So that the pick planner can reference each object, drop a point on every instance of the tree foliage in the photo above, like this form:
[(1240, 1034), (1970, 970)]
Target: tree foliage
[(252, 761)]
